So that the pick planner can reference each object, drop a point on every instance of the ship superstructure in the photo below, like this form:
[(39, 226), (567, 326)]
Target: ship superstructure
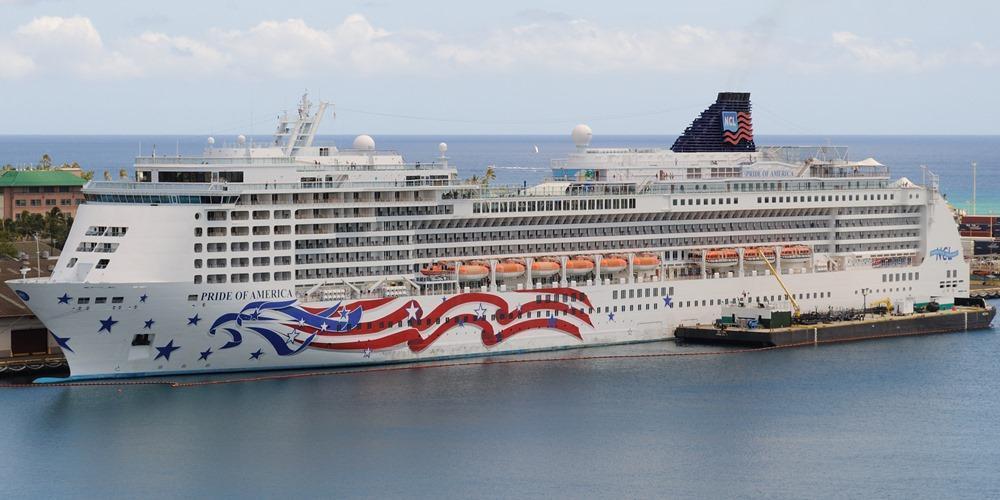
[(290, 254)]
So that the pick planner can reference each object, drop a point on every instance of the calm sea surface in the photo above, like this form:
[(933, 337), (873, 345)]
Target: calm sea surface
[(898, 418)]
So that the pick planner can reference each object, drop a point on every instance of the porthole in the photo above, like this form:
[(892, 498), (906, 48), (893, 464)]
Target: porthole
[(197, 216)]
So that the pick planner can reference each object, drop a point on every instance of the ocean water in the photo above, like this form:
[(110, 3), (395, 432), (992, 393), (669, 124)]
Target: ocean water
[(894, 418)]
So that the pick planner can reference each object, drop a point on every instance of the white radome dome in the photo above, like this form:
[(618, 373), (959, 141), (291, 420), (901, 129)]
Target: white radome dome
[(443, 148), (581, 135), (211, 141), (241, 139), (364, 141)]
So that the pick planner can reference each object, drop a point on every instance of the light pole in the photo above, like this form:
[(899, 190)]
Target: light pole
[(38, 255), (973, 188), (864, 301)]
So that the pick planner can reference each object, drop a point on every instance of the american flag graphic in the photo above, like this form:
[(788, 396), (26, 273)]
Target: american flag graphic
[(389, 323)]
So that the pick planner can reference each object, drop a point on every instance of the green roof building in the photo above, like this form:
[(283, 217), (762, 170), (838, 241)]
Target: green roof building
[(39, 191)]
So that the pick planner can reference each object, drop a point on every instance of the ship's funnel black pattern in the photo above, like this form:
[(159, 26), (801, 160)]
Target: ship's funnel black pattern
[(725, 127)]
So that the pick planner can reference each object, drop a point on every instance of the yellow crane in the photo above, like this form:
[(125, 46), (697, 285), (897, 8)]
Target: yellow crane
[(774, 272)]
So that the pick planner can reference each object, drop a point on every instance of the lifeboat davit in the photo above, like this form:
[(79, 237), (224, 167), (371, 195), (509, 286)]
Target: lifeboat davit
[(645, 262), (751, 255), (510, 269), (796, 253), (722, 257), (613, 264), (578, 266), (544, 267)]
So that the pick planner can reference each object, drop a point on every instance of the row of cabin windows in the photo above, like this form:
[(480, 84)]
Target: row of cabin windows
[(93, 246), (220, 215), (116, 231), (241, 231), (281, 260), (243, 246), (893, 277), (759, 299), (641, 292), (706, 201), (242, 277), (99, 300), (496, 207), (824, 197)]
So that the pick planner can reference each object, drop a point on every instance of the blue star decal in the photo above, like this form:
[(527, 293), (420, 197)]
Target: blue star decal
[(166, 350), (63, 342), (461, 321), (149, 324), (106, 324), (552, 321), (194, 320), (444, 298), (205, 354), (65, 298), (256, 354), (611, 316), (143, 297), (668, 301)]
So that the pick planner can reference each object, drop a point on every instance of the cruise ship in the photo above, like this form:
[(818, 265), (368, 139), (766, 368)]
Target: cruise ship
[(288, 255)]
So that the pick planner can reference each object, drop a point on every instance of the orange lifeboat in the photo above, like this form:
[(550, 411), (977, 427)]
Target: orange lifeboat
[(796, 253), (722, 257), (468, 272), (439, 269), (578, 266), (473, 272), (509, 269), (645, 262), (613, 264), (751, 255), (544, 267)]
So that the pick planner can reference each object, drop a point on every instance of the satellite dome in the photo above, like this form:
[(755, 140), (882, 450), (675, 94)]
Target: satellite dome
[(211, 140), (581, 135), (241, 139), (443, 147), (365, 142)]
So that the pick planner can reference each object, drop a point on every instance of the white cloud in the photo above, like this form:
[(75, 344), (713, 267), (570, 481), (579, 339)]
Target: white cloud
[(896, 55), (58, 44), (541, 42)]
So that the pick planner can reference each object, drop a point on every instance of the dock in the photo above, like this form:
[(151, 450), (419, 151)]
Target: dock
[(957, 319)]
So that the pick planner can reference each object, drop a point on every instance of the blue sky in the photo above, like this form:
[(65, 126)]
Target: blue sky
[(847, 67)]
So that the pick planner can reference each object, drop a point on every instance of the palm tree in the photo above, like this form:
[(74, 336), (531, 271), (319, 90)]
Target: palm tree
[(46, 162), (123, 174), (55, 225), (87, 175), (489, 176)]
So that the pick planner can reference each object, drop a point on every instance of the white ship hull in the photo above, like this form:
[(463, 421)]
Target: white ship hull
[(181, 340)]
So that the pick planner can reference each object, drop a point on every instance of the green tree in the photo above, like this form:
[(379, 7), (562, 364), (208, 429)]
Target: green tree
[(55, 226), (87, 175), (46, 162), (489, 176)]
